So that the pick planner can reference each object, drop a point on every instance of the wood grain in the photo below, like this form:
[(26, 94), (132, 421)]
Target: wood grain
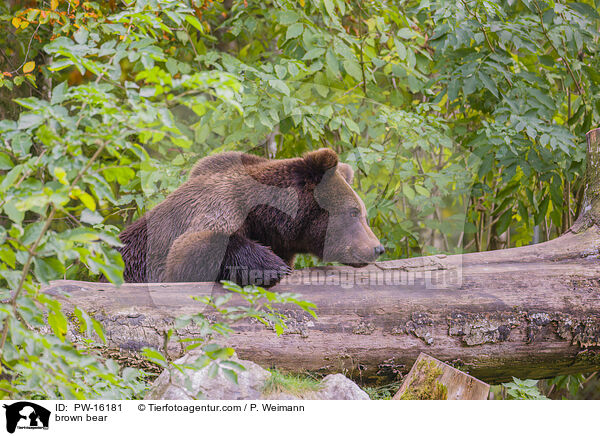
[(458, 385)]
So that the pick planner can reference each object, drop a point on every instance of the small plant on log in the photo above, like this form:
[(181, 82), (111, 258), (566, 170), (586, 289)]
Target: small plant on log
[(426, 384)]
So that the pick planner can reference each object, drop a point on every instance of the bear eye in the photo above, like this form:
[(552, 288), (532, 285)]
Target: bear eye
[(354, 212)]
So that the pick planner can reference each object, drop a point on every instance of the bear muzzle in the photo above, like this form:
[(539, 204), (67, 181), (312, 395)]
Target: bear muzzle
[(359, 257)]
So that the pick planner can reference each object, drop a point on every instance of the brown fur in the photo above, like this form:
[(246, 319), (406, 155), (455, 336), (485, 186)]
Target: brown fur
[(250, 216)]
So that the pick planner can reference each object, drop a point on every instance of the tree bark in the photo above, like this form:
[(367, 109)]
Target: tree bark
[(528, 312), (590, 207)]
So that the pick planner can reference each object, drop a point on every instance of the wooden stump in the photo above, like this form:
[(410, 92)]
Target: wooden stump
[(430, 379)]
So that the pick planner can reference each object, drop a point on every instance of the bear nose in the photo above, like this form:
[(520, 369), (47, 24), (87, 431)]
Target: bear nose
[(379, 250)]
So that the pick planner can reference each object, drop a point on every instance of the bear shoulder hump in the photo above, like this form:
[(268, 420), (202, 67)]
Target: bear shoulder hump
[(223, 162)]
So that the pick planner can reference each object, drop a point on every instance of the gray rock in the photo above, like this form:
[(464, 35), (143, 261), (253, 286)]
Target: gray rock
[(286, 396), (200, 385), (173, 385), (339, 387)]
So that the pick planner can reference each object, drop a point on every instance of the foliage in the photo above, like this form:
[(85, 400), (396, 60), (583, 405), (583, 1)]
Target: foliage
[(572, 383), (50, 366), (523, 390), (70, 162), (252, 302), (464, 121)]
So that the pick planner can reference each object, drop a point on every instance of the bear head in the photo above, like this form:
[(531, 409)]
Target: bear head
[(337, 229)]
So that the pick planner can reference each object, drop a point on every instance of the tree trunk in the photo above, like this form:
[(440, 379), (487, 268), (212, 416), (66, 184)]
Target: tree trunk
[(529, 312)]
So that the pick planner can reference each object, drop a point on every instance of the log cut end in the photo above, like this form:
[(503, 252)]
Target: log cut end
[(589, 213)]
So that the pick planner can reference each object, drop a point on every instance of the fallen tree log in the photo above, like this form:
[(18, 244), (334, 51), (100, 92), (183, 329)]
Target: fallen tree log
[(529, 312)]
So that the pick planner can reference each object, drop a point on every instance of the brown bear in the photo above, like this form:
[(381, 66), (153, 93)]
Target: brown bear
[(244, 218)]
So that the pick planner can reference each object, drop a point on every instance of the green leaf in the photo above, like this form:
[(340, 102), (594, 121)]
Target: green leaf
[(546, 60), (32, 232), (230, 375), (353, 68), (58, 93), (30, 120), (280, 71), (488, 82), (194, 22), (5, 162), (352, 125), (7, 255), (313, 53), (330, 8), (155, 356), (47, 269), (21, 144), (288, 17), (11, 177), (99, 329), (343, 50), (172, 67), (58, 322), (542, 209), (81, 35), (585, 9), (112, 270), (33, 202), (278, 329), (422, 191), (405, 33), (504, 221), (332, 63), (400, 49), (86, 199), (61, 175), (294, 31), (91, 217), (213, 370), (408, 192), (280, 86), (233, 365), (85, 322), (13, 213)]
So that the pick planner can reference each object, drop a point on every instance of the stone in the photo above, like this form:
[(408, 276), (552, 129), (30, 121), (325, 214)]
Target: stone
[(197, 384), (202, 386), (340, 387)]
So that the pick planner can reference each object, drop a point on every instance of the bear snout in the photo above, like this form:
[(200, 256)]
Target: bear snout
[(359, 256)]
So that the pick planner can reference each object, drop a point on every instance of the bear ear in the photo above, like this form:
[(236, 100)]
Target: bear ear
[(346, 171), (321, 160)]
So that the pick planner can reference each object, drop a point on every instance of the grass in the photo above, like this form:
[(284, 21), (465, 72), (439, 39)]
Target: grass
[(302, 385), (385, 392), (293, 384)]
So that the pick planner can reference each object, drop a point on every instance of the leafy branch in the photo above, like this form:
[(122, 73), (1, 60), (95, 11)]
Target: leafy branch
[(34, 246), (563, 58)]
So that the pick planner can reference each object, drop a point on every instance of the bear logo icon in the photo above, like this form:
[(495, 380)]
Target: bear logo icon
[(25, 414)]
